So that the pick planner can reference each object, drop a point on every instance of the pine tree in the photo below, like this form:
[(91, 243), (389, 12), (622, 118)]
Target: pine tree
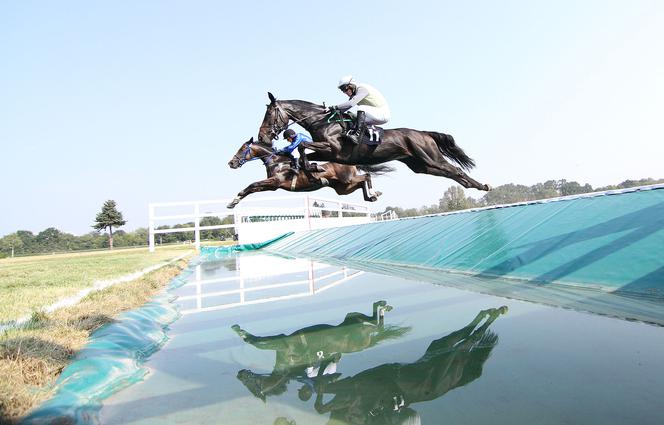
[(108, 218)]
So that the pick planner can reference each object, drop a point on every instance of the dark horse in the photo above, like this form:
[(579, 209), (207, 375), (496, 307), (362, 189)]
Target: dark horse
[(384, 394), (344, 179), (422, 151), (315, 350)]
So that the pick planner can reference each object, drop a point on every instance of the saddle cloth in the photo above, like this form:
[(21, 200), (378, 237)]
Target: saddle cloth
[(373, 135)]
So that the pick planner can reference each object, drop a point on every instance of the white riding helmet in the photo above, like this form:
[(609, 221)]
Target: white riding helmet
[(346, 79)]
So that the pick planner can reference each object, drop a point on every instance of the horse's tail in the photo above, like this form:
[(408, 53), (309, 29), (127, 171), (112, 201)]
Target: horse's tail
[(376, 170), (449, 148)]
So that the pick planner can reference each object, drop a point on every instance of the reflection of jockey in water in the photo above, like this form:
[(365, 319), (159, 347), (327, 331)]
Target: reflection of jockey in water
[(382, 395), (369, 104), (312, 353)]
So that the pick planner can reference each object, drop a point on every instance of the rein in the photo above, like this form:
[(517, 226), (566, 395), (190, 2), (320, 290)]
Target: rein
[(276, 128), (341, 120), (242, 160)]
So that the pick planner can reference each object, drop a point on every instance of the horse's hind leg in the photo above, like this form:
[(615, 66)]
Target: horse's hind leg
[(445, 170), (373, 195), (356, 183), (364, 181), (379, 309)]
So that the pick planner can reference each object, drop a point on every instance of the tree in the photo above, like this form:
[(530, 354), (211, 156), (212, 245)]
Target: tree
[(573, 188), (548, 189), (28, 240), (108, 218), (11, 244), (454, 199), (51, 240)]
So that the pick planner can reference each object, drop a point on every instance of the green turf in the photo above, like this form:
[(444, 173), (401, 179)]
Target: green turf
[(28, 283)]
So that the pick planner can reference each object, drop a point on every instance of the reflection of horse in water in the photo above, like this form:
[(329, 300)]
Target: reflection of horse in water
[(315, 350), (383, 394)]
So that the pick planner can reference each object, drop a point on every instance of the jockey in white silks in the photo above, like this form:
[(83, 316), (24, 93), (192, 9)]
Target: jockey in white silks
[(370, 105)]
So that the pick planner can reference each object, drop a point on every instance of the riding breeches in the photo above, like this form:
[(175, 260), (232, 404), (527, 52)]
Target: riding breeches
[(374, 115)]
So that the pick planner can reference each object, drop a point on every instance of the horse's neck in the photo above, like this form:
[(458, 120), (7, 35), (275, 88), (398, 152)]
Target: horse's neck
[(304, 114)]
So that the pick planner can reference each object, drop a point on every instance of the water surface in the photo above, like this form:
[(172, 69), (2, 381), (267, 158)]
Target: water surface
[(268, 340)]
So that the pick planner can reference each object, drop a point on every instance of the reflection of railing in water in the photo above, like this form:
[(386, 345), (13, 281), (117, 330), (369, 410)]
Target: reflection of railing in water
[(242, 290)]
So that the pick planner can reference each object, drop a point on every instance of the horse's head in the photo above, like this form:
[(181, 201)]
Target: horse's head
[(248, 151), (274, 122)]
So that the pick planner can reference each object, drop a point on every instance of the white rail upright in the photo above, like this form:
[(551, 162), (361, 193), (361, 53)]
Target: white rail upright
[(194, 216), (259, 218)]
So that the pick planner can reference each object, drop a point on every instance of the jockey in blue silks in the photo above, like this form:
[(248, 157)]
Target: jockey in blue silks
[(294, 140)]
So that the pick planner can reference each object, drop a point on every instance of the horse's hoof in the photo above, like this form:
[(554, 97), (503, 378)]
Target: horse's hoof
[(378, 193), (487, 187), (373, 199), (231, 205)]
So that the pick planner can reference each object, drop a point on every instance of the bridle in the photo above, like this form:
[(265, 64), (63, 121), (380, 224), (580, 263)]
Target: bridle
[(276, 128), (243, 159)]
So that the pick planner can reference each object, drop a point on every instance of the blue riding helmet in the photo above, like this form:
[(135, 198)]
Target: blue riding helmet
[(289, 133)]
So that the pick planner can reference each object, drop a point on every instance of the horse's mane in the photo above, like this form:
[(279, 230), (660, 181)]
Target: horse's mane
[(302, 104), (264, 145)]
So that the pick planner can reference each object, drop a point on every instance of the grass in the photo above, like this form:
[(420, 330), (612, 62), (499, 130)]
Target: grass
[(29, 283), (32, 357)]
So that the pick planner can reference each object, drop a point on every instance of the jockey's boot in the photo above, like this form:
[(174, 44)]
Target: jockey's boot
[(357, 134), (294, 167)]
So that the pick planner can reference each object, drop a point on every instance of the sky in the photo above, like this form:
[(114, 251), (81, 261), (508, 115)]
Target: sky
[(147, 101)]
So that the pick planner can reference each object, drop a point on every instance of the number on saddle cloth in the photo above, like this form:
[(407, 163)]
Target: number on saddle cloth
[(373, 135)]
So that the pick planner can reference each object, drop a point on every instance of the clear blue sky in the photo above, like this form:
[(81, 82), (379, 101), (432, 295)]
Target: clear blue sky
[(146, 101)]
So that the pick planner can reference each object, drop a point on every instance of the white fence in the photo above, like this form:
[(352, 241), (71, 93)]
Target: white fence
[(258, 219)]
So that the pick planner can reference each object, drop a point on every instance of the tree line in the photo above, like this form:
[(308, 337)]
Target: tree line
[(24, 242), (455, 199)]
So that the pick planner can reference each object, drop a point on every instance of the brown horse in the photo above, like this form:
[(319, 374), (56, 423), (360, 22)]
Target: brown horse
[(422, 151), (344, 179), (310, 351)]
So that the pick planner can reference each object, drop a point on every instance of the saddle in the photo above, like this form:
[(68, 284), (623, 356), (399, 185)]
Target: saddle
[(373, 135)]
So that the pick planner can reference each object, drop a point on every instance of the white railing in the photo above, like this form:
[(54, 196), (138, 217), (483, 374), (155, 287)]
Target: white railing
[(257, 223), (240, 290), (387, 215), (195, 214)]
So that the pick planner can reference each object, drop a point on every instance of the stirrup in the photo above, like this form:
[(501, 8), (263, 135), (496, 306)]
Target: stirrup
[(353, 137)]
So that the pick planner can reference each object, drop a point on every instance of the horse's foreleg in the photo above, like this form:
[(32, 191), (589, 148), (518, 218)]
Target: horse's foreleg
[(260, 186), (274, 342)]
